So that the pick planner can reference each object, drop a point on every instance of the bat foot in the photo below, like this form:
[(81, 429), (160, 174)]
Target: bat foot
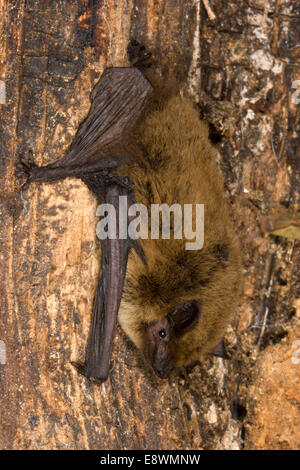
[(24, 168), (97, 182), (82, 370), (138, 55), (110, 179)]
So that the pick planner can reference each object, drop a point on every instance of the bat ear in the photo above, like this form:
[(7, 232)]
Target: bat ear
[(219, 350), (184, 317)]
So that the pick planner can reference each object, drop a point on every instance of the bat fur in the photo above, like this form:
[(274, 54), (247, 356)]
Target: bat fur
[(181, 167)]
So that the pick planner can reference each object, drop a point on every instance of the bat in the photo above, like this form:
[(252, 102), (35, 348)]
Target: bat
[(174, 304)]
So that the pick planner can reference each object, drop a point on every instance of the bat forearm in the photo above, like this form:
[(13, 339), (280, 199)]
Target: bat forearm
[(45, 174), (53, 173), (107, 301)]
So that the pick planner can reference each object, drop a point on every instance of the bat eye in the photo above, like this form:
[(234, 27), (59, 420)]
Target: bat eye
[(162, 333)]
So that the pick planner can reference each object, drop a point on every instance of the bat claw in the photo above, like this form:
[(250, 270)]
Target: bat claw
[(139, 250), (24, 167), (27, 160), (138, 55), (82, 370), (98, 181), (219, 351)]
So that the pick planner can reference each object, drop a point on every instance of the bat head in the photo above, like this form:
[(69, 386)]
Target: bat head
[(162, 335)]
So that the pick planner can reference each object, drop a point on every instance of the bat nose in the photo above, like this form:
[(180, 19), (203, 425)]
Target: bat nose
[(163, 372), (161, 361)]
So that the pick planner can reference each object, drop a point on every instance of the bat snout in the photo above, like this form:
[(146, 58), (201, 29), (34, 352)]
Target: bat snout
[(162, 361), (157, 350), (162, 370)]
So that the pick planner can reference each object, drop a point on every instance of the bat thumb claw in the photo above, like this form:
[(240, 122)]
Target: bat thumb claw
[(139, 250), (82, 370)]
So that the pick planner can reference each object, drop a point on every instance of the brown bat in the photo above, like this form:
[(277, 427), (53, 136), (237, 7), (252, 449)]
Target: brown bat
[(173, 303)]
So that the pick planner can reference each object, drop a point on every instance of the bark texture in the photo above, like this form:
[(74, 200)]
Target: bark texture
[(241, 68)]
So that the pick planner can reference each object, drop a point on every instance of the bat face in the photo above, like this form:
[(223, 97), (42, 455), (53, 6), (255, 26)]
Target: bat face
[(162, 335), (158, 347)]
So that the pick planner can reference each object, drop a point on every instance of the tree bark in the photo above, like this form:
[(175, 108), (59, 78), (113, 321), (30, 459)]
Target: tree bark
[(241, 69)]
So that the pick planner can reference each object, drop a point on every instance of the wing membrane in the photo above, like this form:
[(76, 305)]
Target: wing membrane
[(118, 101)]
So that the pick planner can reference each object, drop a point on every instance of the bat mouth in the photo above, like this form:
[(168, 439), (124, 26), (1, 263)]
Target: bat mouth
[(162, 373), (162, 366)]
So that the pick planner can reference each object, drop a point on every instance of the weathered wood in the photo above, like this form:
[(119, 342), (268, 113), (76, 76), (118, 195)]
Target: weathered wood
[(240, 68)]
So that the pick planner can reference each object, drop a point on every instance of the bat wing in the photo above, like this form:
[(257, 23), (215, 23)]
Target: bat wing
[(108, 294), (117, 103), (118, 100)]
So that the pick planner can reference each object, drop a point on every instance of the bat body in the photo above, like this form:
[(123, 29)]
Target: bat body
[(189, 294), (173, 303)]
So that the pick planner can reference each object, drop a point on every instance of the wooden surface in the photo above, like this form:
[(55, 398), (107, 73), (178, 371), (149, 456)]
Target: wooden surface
[(240, 68)]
